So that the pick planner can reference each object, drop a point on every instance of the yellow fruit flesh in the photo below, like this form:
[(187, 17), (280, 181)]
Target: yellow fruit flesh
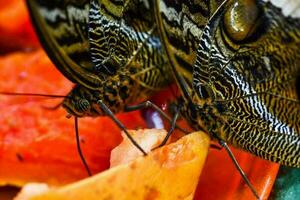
[(170, 172)]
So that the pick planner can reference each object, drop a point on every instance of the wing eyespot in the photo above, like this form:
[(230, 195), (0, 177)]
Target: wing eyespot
[(242, 19)]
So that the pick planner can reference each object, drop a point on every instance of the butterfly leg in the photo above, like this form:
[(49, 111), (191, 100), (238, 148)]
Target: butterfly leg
[(173, 125), (52, 107), (79, 148), (172, 121), (149, 104), (109, 113), (240, 170), (215, 146)]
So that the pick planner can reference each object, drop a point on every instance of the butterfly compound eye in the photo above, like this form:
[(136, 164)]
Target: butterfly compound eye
[(241, 19)]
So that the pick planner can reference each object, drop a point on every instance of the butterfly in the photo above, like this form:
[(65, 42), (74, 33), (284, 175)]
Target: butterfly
[(236, 64), (112, 55)]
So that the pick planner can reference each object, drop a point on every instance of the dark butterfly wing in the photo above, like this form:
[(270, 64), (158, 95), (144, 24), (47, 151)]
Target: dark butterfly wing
[(181, 24), (252, 83), (63, 31), (123, 38)]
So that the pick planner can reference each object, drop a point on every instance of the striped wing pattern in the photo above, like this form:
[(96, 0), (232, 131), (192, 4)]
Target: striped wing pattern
[(62, 29), (242, 91), (182, 23), (252, 86), (124, 37), (106, 48)]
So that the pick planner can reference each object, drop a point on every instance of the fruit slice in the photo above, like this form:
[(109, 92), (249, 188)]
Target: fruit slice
[(126, 151), (170, 172)]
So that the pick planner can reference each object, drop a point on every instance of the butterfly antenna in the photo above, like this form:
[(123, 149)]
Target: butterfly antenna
[(224, 144), (79, 148), (32, 94)]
